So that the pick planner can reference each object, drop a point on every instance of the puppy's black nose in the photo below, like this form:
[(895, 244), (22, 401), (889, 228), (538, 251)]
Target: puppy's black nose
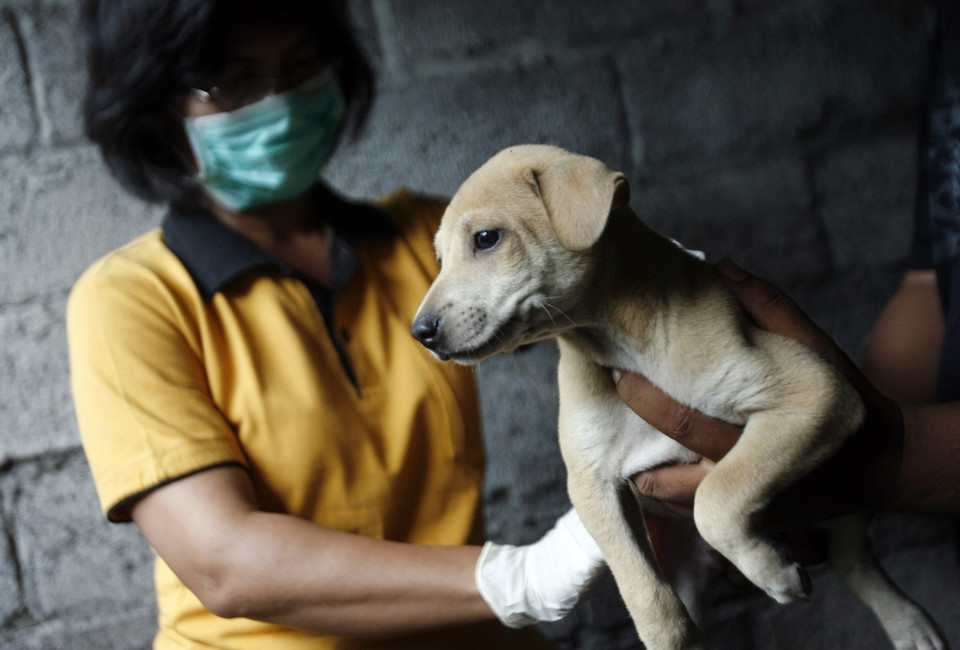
[(426, 329)]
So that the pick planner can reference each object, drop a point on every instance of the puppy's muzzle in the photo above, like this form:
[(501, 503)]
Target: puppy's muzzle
[(426, 329)]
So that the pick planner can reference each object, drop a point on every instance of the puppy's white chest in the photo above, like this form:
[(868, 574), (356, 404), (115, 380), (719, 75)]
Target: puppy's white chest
[(605, 434)]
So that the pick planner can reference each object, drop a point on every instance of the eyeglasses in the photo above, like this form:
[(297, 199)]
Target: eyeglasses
[(235, 92)]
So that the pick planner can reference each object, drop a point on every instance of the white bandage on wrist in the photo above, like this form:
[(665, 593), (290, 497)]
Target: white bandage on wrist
[(542, 581)]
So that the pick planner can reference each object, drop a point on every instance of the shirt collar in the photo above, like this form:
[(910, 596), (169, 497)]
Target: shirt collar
[(215, 254)]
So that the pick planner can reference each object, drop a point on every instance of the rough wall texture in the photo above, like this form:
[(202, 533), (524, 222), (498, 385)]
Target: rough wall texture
[(780, 134)]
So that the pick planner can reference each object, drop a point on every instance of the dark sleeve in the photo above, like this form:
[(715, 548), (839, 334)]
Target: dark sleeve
[(937, 215)]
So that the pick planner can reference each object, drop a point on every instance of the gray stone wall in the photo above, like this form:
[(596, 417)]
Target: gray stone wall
[(777, 133)]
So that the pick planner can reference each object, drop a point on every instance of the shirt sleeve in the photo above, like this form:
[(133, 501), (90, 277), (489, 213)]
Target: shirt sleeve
[(937, 214), (143, 405)]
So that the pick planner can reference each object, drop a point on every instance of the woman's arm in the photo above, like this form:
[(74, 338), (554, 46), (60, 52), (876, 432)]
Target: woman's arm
[(240, 561)]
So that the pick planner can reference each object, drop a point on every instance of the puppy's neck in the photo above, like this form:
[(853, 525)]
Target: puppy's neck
[(639, 279)]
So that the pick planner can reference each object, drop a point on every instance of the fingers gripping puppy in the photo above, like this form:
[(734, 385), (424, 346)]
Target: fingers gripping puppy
[(539, 243)]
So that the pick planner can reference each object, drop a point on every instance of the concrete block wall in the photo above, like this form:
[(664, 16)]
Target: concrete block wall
[(780, 134)]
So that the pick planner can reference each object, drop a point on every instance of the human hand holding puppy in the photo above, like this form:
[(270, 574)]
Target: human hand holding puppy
[(899, 460)]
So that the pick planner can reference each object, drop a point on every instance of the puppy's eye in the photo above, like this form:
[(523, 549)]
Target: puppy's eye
[(487, 239)]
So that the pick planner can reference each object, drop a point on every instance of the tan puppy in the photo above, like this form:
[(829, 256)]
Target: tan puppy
[(539, 243)]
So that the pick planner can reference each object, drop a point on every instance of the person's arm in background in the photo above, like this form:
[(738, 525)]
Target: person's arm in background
[(903, 459), (903, 355)]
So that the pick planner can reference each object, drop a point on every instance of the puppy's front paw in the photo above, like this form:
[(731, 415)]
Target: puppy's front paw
[(782, 579), (791, 585)]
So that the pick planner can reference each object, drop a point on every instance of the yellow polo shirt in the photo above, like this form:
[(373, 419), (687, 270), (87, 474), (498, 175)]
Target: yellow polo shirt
[(219, 354)]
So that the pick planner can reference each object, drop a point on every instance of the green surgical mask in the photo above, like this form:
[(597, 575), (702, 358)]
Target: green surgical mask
[(271, 150)]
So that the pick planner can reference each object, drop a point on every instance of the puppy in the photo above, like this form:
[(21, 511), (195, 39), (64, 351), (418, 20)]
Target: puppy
[(539, 243)]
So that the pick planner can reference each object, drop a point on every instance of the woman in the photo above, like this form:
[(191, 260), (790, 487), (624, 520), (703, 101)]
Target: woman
[(246, 385)]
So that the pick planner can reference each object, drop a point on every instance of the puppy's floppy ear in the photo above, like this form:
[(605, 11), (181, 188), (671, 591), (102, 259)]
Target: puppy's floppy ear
[(579, 193)]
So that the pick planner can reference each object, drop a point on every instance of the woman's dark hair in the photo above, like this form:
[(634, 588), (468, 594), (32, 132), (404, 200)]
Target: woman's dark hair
[(142, 53)]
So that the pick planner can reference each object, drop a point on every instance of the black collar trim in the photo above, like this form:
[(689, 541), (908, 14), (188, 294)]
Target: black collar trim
[(215, 255)]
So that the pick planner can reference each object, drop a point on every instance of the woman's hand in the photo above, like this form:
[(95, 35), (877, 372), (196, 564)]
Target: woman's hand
[(860, 476)]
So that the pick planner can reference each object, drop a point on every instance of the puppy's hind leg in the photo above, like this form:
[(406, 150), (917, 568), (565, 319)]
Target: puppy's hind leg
[(851, 555), (611, 513)]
